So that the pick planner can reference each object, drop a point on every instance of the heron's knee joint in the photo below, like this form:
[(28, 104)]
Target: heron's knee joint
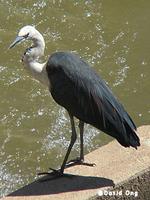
[(81, 124), (73, 137)]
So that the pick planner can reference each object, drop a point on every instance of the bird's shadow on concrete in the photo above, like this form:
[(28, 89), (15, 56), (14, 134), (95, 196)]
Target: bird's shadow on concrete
[(67, 183)]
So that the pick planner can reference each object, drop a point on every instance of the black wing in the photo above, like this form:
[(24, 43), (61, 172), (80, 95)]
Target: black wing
[(77, 87)]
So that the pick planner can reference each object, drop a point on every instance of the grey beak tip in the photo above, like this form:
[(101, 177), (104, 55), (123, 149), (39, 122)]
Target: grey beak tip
[(16, 41), (10, 47)]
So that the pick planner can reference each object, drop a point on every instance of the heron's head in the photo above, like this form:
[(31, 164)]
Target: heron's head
[(26, 33)]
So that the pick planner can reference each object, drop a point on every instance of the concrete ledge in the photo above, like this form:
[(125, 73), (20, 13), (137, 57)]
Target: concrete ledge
[(136, 187), (117, 168)]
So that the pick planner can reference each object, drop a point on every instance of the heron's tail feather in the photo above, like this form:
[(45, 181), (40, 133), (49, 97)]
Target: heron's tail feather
[(131, 138), (134, 140)]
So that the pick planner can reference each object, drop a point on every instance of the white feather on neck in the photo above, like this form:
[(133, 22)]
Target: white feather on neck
[(31, 57)]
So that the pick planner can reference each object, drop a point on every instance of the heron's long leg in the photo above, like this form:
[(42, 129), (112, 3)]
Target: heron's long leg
[(73, 139), (81, 127), (80, 160), (59, 172)]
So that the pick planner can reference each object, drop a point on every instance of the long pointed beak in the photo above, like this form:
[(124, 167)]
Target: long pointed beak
[(16, 41)]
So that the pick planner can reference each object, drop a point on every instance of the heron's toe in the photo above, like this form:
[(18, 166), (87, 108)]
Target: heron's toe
[(52, 172), (79, 161)]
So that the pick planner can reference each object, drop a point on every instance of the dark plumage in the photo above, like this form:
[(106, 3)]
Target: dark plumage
[(78, 88)]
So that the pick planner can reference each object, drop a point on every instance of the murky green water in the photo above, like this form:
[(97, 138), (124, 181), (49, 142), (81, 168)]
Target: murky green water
[(113, 36)]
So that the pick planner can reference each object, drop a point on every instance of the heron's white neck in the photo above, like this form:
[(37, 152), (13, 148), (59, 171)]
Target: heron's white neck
[(31, 59)]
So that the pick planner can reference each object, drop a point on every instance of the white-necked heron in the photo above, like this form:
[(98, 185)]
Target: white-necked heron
[(80, 90)]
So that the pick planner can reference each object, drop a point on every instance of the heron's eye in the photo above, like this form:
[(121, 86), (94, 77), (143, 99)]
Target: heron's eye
[(25, 36)]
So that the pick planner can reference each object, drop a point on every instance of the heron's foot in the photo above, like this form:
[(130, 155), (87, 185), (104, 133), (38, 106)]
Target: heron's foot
[(79, 161), (53, 172)]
